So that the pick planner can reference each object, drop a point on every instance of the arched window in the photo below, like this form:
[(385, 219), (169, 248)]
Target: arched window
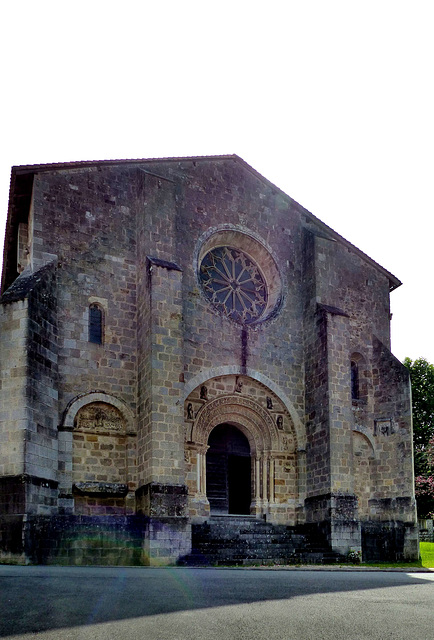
[(355, 382), (359, 378), (96, 321)]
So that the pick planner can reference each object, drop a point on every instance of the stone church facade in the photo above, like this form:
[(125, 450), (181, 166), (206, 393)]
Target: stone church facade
[(180, 341)]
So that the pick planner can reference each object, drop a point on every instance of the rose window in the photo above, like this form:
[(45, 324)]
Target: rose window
[(234, 284)]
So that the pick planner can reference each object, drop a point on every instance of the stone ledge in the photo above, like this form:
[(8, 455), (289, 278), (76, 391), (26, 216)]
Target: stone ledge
[(168, 489), (25, 478), (171, 266), (25, 283), (101, 488)]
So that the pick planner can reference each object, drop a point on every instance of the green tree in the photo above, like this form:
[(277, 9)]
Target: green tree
[(422, 390)]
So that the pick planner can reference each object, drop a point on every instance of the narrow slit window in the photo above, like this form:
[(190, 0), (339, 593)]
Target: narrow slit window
[(355, 387), (95, 324)]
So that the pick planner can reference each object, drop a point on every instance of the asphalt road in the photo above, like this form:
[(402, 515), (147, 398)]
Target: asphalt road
[(72, 603)]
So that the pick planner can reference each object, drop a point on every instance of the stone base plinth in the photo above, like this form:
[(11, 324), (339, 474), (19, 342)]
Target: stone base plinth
[(93, 540), (336, 516)]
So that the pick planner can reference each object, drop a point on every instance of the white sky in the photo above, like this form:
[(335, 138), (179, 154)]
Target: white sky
[(333, 101)]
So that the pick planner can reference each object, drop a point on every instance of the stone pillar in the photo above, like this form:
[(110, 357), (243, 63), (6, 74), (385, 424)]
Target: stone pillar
[(264, 481), (13, 423), (345, 530), (162, 493), (14, 412), (301, 476), (198, 502), (201, 474), (271, 488), (330, 501), (263, 484), (257, 500), (28, 407), (257, 463)]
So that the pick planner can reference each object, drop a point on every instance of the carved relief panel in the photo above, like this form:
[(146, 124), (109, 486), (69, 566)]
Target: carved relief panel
[(103, 459), (99, 417)]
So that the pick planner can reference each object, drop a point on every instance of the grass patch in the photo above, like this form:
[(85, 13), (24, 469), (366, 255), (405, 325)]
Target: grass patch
[(427, 554), (426, 559), (391, 565)]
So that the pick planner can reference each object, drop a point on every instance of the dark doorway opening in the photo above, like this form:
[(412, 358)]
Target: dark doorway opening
[(228, 471)]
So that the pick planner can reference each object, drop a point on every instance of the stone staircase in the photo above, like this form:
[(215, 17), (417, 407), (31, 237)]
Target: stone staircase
[(244, 540)]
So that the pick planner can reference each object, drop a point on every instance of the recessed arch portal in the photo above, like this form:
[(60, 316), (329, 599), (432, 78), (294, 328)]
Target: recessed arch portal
[(251, 413), (245, 413), (228, 471)]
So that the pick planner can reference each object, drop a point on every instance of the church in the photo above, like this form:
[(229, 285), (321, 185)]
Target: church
[(194, 368)]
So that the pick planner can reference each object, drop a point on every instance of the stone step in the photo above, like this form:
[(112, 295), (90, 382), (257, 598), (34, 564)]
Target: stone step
[(234, 540), (196, 559)]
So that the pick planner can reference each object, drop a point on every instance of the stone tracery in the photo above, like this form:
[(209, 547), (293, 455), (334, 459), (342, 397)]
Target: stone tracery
[(234, 284)]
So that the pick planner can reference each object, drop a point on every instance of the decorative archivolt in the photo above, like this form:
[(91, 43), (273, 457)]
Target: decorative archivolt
[(101, 409), (246, 414), (236, 370)]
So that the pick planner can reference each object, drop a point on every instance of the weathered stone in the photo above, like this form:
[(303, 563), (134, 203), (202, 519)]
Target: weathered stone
[(221, 302), (100, 488)]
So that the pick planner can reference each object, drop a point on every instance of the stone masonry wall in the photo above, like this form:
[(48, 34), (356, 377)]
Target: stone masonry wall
[(339, 405), (165, 464), (30, 394), (221, 195), (13, 386), (393, 476), (345, 281), (317, 427), (104, 462), (160, 337), (128, 237), (85, 218), (355, 297), (41, 440)]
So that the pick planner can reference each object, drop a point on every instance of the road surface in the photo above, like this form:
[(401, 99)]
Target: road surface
[(74, 603)]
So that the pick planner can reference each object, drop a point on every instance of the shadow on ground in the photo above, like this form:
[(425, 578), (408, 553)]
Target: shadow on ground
[(35, 599)]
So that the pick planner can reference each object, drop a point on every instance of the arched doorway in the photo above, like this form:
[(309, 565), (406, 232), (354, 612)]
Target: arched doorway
[(228, 471)]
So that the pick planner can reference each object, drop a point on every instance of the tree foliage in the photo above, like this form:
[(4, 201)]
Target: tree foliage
[(425, 496), (422, 389)]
